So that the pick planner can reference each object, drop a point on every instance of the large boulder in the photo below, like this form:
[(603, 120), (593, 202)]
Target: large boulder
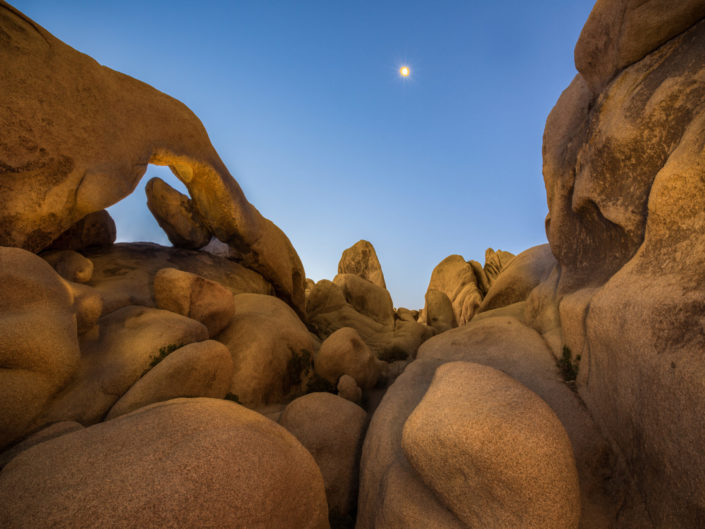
[(78, 137), (621, 32), (623, 165), (332, 429), (176, 215), (194, 296), (345, 353), (271, 348), (385, 473), (457, 279), (128, 342), (505, 344), (439, 311), (45, 434), (361, 260), (494, 453), (367, 298), (200, 369), (182, 463), (95, 229), (519, 277), (124, 273), (38, 342)]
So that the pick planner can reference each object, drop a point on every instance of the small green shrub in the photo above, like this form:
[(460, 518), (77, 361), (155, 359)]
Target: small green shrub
[(163, 353), (567, 366)]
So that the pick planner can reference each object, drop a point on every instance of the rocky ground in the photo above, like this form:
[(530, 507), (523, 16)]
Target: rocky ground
[(210, 384)]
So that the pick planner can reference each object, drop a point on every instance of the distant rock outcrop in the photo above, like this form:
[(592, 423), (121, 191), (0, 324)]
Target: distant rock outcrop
[(465, 284), (519, 277), (350, 300), (361, 260)]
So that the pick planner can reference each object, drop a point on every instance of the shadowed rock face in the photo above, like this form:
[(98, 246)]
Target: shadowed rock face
[(602, 154), (77, 138), (623, 165)]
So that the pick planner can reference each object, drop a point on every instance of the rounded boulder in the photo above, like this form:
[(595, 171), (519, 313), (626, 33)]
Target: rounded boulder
[(493, 451), (181, 463)]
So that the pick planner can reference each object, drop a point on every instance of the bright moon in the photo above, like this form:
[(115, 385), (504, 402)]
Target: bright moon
[(404, 71)]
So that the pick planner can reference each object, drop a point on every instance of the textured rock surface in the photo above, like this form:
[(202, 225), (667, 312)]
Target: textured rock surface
[(182, 463), (95, 229), (328, 311), (176, 215), (457, 280), (113, 360), (361, 260), (70, 265), (495, 262), (519, 277), (200, 369), (38, 342), (45, 434), (367, 298), (623, 171), (332, 429), (493, 451), (509, 346), (90, 147), (344, 353), (385, 473), (194, 296), (621, 32), (124, 273), (599, 166), (272, 350), (439, 311)]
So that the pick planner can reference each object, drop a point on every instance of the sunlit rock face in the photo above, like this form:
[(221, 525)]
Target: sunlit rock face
[(621, 32), (623, 167), (77, 138)]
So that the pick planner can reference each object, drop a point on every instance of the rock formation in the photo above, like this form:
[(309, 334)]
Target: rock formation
[(60, 176), (623, 170), (184, 462), (558, 388), (361, 260), (352, 300)]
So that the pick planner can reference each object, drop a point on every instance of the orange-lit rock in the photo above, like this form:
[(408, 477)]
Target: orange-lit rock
[(89, 148), (181, 463)]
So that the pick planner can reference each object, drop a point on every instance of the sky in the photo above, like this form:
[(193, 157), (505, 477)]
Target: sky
[(305, 105)]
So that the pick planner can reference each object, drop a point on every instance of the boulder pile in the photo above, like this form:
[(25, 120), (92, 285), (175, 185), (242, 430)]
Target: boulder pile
[(211, 384)]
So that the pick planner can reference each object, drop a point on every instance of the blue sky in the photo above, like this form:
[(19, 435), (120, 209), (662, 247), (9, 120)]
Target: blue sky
[(304, 104)]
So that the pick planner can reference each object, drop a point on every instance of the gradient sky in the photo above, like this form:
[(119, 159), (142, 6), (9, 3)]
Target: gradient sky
[(304, 104)]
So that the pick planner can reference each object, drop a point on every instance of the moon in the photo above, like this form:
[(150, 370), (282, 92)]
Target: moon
[(404, 71)]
